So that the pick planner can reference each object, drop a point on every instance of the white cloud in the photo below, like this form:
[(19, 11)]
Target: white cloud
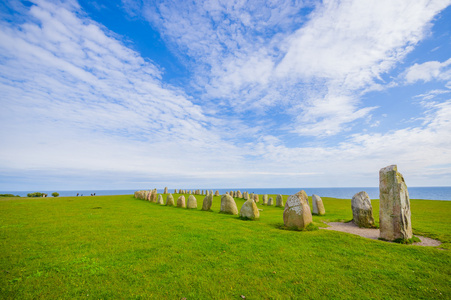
[(428, 71), (243, 57)]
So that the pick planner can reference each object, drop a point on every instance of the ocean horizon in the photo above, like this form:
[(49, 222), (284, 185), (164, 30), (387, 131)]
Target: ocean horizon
[(426, 193)]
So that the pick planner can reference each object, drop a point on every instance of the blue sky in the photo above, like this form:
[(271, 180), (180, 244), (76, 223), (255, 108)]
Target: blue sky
[(217, 94)]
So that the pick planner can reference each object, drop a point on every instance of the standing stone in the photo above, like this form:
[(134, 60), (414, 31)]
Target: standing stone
[(176, 191), (192, 202), (165, 190), (394, 205), (269, 203), (170, 200), (153, 196), (160, 200), (147, 196), (249, 210), (256, 198), (246, 196), (190, 192), (317, 205), (181, 201), (265, 199), (217, 193), (362, 210), (238, 194), (208, 201), (279, 200), (297, 214), (228, 205)]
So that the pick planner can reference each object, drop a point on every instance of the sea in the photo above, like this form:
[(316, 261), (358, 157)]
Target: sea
[(426, 193)]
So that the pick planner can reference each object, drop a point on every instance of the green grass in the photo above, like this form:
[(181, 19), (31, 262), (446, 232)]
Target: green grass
[(118, 247)]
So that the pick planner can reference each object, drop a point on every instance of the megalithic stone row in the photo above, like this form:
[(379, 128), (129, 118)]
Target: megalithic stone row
[(362, 210), (394, 205), (297, 214), (317, 205), (228, 205), (249, 210), (279, 200), (192, 202), (170, 200)]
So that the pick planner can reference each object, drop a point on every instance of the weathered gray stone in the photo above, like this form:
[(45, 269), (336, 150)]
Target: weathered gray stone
[(279, 200), (181, 201), (148, 194), (249, 210), (217, 193), (228, 205), (165, 190), (176, 191), (192, 202), (238, 194), (256, 198), (265, 199), (297, 214), (362, 210), (208, 201), (394, 205), (153, 196), (317, 205), (269, 203), (170, 200), (160, 199)]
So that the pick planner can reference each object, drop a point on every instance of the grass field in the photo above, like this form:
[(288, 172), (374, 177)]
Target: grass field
[(118, 247)]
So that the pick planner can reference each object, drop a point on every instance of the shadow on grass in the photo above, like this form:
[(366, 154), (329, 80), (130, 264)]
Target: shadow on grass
[(281, 226)]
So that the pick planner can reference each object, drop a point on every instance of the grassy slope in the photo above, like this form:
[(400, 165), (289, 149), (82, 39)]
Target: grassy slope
[(70, 248)]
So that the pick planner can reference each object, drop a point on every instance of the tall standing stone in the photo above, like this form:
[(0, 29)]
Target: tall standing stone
[(170, 200), (165, 190), (265, 199), (228, 205), (249, 210), (362, 210), (238, 194), (176, 191), (279, 200), (192, 202), (208, 201), (256, 198), (317, 205), (269, 203), (297, 214), (153, 196), (181, 201), (160, 199), (394, 205), (217, 193)]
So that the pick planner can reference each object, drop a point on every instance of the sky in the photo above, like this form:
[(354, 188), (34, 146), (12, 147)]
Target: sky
[(223, 94)]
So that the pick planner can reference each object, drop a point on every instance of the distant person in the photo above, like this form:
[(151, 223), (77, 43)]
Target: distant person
[(94, 194), (78, 194)]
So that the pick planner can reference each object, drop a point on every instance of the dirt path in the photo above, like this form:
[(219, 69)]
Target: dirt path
[(350, 227)]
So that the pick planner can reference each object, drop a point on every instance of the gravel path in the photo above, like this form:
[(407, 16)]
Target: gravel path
[(350, 227)]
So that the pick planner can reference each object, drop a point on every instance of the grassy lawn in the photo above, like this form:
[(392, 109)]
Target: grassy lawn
[(118, 247)]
